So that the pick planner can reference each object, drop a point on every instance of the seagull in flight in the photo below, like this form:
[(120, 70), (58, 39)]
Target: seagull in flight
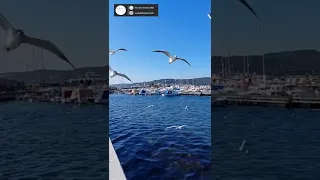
[(16, 37), (179, 127), (172, 58), (247, 5), (176, 127), (115, 73), (209, 15), (111, 52)]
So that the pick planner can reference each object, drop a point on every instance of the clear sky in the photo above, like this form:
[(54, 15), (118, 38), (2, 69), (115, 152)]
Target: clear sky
[(182, 28), (288, 25), (78, 27)]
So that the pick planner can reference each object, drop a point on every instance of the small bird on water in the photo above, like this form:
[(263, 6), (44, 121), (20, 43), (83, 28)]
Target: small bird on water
[(15, 37), (172, 58), (150, 106)]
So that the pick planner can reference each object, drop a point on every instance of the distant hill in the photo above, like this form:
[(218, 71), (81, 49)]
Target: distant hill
[(54, 75), (61, 75), (281, 63)]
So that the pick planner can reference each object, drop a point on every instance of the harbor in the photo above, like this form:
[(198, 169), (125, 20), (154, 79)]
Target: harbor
[(288, 92), (253, 90), (91, 89)]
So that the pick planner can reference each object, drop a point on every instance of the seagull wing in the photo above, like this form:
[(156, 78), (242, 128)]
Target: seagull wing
[(209, 15), (113, 73), (245, 3), (47, 45), (184, 61), (121, 49), (171, 127), (5, 24), (125, 76), (110, 69), (164, 52)]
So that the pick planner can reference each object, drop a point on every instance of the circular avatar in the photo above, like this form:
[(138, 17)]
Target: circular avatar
[(131, 13), (120, 10), (131, 8)]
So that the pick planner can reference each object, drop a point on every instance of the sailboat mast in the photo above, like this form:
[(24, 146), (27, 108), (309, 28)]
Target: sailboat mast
[(248, 65), (42, 60), (262, 51), (244, 65), (222, 67)]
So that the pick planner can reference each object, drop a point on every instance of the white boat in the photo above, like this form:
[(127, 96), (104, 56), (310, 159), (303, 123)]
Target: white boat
[(168, 93), (115, 169), (156, 92)]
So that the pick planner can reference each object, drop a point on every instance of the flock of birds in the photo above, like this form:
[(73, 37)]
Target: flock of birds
[(172, 58)]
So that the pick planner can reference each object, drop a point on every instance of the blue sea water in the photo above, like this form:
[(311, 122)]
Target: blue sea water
[(281, 143), (147, 150), (53, 141)]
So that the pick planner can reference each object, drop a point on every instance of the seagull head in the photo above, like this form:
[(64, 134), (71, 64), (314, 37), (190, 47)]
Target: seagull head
[(175, 56)]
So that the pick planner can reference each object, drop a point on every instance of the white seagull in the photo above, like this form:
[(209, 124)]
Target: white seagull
[(172, 58), (209, 15), (111, 52), (176, 127), (115, 73), (15, 37), (179, 127)]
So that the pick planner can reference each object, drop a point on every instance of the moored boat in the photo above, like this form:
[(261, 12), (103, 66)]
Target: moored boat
[(169, 93)]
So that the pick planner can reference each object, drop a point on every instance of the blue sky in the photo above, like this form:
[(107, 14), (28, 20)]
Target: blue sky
[(185, 32)]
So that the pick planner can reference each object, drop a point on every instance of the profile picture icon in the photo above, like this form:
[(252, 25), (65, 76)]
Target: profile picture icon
[(131, 8), (120, 10), (131, 13)]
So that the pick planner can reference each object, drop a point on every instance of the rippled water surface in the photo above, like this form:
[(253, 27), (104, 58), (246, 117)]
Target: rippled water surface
[(280, 144), (147, 150), (53, 141)]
